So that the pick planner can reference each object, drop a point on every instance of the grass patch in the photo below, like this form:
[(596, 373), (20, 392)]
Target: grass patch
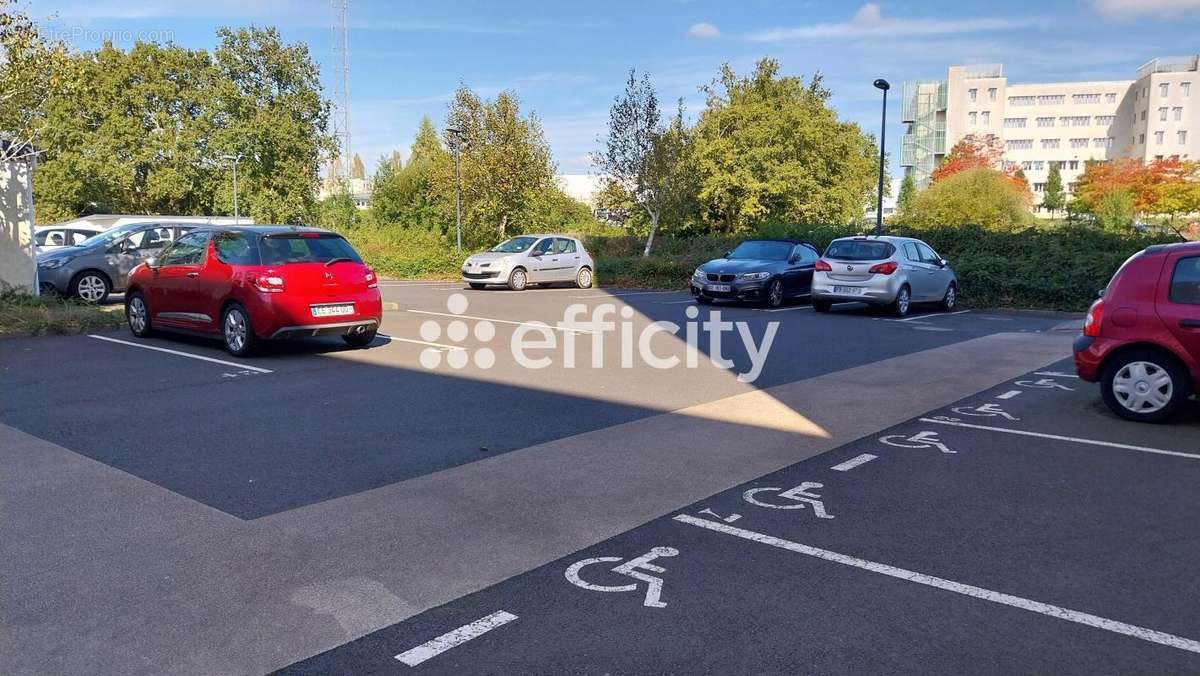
[(22, 314)]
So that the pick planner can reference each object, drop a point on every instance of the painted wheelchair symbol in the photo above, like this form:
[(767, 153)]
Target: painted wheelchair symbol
[(985, 411), (926, 439), (800, 496), (638, 568), (1043, 384)]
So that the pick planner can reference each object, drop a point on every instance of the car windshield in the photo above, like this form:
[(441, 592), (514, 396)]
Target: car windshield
[(758, 250), (110, 236), (859, 250), (514, 245), (305, 248)]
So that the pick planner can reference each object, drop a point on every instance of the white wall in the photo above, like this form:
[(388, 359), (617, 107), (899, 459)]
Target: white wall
[(17, 267)]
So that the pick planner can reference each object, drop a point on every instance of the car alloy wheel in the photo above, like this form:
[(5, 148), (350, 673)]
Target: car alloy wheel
[(775, 293), (950, 299), (584, 279), (236, 330), (137, 315), (91, 288), (517, 280), (900, 305), (1143, 387)]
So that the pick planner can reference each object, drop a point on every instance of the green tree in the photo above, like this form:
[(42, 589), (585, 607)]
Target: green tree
[(908, 194), (975, 196), (1054, 198), (1114, 211), (31, 67), (357, 169), (770, 148), (405, 194)]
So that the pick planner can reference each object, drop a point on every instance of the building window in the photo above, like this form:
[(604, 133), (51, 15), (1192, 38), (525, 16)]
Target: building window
[(1021, 100), (971, 118), (1178, 110), (1075, 121), (1158, 138), (1182, 134), (1105, 120), (1079, 143), (986, 117), (1143, 116), (1164, 88), (1045, 122), (1039, 165), (1110, 97), (1027, 166), (972, 94), (1014, 122), (1049, 143), (1051, 99), (1106, 142), (1141, 139), (1039, 187), (1162, 114), (991, 93), (1085, 98), (1073, 165), (1185, 88), (1021, 144)]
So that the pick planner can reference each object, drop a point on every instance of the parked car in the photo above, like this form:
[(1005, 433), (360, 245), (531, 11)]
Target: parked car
[(253, 283), (769, 271), (1141, 339), (891, 272), (530, 259), (51, 237), (101, 264)]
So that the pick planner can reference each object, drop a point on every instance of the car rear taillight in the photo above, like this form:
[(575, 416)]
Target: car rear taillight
[(269, 283), (372, 282), (823, 266), (1091, 325), (884, 268)]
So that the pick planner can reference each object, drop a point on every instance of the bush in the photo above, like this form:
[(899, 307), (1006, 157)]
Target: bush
[(21, 313), (982, 196)]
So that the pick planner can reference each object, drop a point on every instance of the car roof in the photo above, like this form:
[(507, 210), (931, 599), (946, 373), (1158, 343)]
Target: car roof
[(543, 234), (891, 239), (783, 240), (1172, 247), (265, 230)]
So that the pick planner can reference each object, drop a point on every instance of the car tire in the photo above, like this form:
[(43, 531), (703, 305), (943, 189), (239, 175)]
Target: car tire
[(583, 278), (518, 279), (360, 339), (237, 332), (774, 293), (91, 287), (476, 285), (137, 315), (903, 302), (1132, 376), (950, 298), (822, 305)]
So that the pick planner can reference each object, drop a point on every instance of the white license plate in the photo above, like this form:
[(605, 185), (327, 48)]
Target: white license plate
[(718, 288), (848, 290), (332, 310)]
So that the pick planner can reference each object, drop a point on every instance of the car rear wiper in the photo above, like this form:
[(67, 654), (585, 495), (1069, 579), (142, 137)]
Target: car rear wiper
[(339, 259)]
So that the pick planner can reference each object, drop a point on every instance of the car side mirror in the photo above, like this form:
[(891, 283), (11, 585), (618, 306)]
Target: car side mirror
[(943, 263), (536, 254), (726, 254), (152, 262)]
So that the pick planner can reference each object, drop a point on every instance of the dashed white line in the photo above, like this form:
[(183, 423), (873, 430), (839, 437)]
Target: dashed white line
[(932, 314), (1001, 598), (499, 321), (454, 638), (1059, 437), (182, 354), (1009, 394), (853, 462)]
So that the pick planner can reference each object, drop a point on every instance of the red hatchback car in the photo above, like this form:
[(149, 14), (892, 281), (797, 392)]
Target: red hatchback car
[(253, 283), (1141, 340)]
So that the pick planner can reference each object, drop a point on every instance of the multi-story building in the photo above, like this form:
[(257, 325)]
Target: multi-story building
[(1154, 116)]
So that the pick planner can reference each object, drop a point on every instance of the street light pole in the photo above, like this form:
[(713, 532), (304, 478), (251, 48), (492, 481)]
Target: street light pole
[(881, 84), (235, 159), (457, 187)]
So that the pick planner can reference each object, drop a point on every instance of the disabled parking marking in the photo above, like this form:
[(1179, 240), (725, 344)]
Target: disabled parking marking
[(1059, 437), (180, 353), (1087, 619), (727, 519), (1043, 384), (450, 639), (984, 411), (924, 439), (800, 494), (638, 568), (1009, 394), (853, 462)]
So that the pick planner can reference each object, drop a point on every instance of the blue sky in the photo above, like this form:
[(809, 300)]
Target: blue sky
[(566, 60)]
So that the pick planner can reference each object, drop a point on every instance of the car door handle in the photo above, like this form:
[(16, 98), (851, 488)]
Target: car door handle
[(193, 274), (1190, 323)]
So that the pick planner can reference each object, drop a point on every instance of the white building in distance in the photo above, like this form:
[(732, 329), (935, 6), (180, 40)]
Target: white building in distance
[(1156, 115)]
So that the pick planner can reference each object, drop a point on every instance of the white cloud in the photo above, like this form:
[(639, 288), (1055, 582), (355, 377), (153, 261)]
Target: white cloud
[(1158, 8), (703, 30), (869, 21)]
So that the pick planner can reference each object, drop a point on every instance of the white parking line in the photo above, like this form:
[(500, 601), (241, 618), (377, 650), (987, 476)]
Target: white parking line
[(182, 354), (853, 462), (930, 315), (413, 283), (1059, 437), (423, 342), (787, 309), (1055, 374), (499, 321), (622, 294), (1001, 598), (1009, 394), (456, 637), (675, 302)]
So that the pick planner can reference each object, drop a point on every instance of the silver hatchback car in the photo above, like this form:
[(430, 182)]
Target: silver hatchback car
[(884, 271), (531, 259)]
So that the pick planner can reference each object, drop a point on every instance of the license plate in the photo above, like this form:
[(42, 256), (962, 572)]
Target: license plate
[(332, 310), (848, 290), (718, 288)]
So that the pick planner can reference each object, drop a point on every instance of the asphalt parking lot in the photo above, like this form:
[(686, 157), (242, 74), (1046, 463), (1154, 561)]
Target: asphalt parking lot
[(221, 515)]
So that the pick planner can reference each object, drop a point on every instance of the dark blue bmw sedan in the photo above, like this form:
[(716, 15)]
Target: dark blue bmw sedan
[(767, 271)]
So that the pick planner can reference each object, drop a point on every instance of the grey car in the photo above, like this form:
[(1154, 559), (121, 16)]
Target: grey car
[(101, 264), (893, 272), (530, 259)]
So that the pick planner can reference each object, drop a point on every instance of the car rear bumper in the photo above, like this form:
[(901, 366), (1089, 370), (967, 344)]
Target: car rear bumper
[(879, 290), (737, 290), (285, 316), (335, 329)]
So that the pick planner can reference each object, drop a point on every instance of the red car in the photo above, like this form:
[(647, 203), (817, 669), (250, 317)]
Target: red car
[(1141, 340), (254, 283)]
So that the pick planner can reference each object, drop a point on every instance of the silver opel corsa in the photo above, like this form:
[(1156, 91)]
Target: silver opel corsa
[(893, 272), (530, 259)]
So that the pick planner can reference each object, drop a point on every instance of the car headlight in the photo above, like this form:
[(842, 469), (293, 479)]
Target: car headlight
[(698, 274), (751, 276), (52, 263)]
